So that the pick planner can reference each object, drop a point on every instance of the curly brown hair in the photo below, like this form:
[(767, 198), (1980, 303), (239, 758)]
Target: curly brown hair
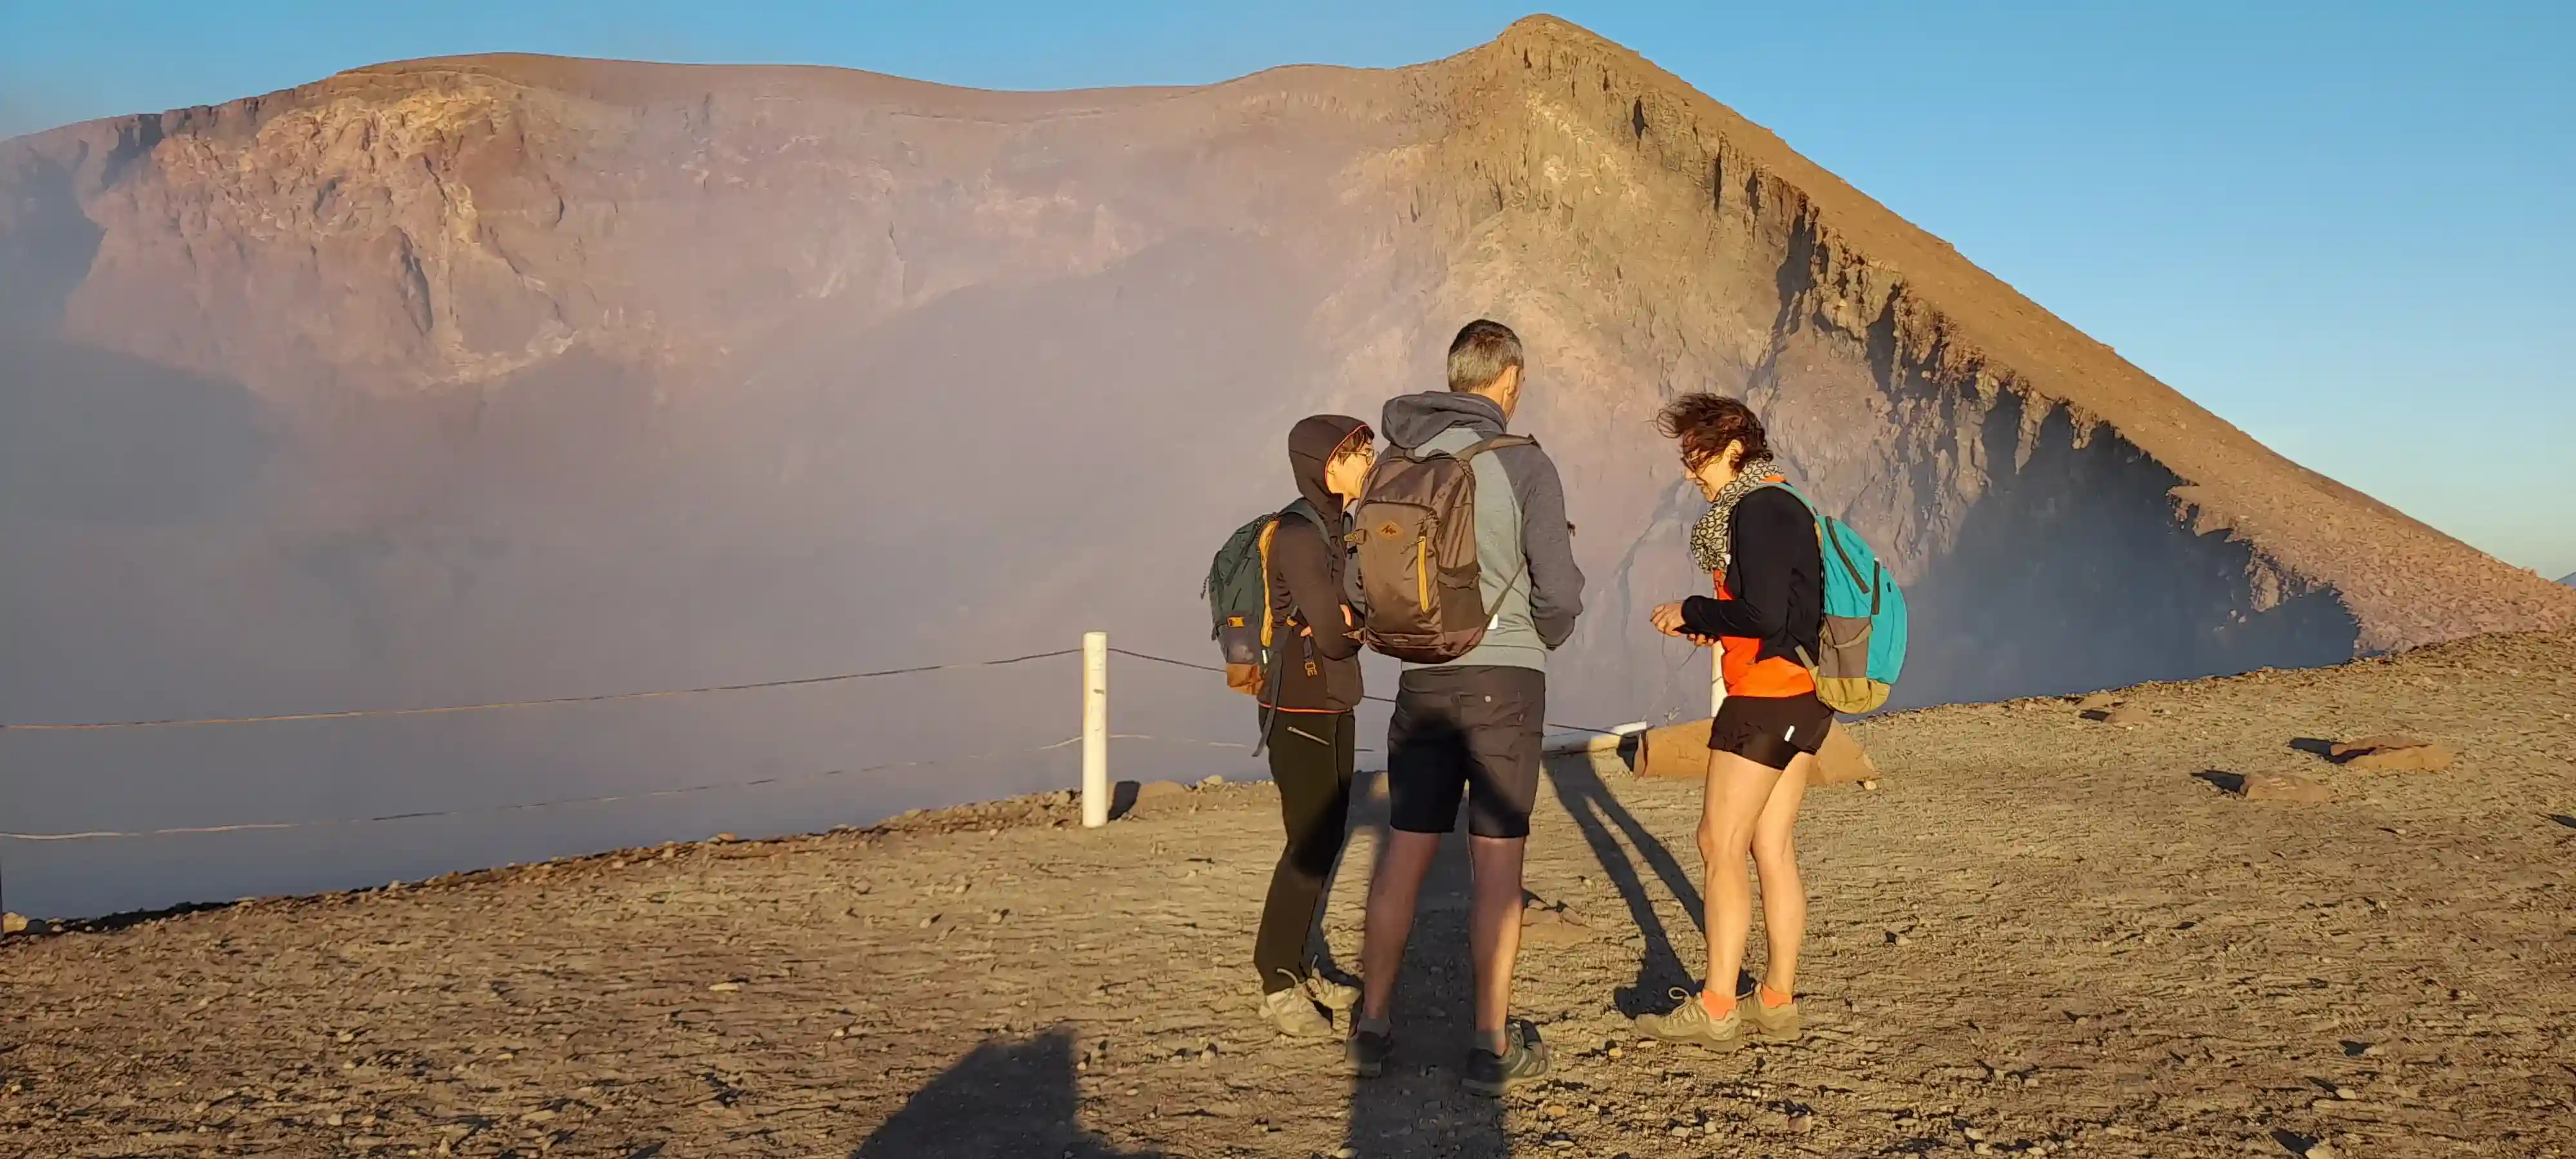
[(1706, 423)]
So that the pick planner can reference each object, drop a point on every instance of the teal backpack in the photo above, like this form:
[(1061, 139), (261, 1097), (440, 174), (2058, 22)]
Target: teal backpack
[(1863, 639)]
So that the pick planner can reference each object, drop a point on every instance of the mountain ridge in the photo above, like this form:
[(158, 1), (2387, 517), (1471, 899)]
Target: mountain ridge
[(536, 374), (2054, 357)]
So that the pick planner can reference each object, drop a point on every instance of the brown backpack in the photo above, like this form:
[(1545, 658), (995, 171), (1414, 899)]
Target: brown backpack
[(1415, 528)]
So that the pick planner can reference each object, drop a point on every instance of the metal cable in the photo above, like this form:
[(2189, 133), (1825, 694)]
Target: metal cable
[(118, 834), (1379, 699), (557, 700)]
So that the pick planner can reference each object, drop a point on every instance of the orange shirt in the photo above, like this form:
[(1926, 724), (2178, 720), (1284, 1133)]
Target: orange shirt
[(1747, 676)]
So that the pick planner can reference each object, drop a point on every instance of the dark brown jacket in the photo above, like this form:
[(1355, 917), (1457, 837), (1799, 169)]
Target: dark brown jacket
[(1315, 651)]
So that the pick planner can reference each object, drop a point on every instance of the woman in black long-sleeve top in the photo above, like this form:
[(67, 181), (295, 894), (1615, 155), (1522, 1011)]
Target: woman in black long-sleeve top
[(1312, 685), (1758, 543)]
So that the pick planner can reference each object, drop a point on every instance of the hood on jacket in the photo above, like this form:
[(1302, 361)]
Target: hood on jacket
[(1310, 447), (1414, 419)]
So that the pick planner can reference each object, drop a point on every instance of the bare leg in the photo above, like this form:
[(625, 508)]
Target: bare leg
[(1494, 926), (1775, 858), (1393, 892), (1737, 790)]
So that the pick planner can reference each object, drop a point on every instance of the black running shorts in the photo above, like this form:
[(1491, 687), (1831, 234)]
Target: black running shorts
[(1770, 731), (1465, 733)]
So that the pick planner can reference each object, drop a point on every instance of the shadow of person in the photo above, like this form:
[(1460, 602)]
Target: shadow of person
[(1603, 822), (1004, 1100), (1417, 1107)]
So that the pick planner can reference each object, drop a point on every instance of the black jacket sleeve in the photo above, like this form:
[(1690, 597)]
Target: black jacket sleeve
[(1770, 529), (1299, 552)]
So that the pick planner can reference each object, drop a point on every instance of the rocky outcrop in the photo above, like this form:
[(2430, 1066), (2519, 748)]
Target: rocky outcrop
[(2066, 520), (486, 334)]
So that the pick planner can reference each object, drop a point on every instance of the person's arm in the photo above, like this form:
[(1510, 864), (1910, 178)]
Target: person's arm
[(1298, 550), (1547, 541), (1770, 527)]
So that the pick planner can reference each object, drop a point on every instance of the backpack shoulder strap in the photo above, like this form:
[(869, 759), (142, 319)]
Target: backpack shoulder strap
[(1303, 510), (1269, 622), (1496, 443), (1306, 511), (1825, 535)]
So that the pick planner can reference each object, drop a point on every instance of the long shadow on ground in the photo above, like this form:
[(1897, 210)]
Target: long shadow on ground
[(1006, 1100), (1417, 1107), (1604, 822)]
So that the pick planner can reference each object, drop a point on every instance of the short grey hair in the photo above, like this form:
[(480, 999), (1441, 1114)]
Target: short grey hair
[(1480, 353)]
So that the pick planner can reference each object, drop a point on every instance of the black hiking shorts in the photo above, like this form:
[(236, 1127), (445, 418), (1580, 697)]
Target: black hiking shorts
[(1465, 733), (1770, 731)]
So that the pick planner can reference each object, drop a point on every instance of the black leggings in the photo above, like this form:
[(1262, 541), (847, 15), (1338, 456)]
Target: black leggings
[(1310, 759)]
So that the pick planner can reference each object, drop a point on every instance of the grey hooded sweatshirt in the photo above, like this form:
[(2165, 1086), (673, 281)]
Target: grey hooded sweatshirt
[(1524, 546)]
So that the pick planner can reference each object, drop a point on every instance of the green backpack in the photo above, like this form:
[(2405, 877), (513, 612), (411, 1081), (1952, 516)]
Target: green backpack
[(1238, 595)]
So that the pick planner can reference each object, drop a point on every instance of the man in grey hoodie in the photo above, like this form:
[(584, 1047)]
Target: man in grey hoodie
[(1470, 728)]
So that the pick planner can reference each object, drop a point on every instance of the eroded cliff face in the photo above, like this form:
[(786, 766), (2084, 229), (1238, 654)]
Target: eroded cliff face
[(464, 379), (455, 222), (2062, 520)]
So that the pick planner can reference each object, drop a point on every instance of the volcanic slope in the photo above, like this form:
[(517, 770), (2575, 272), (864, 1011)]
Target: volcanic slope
[(521, 369), (2041, 934)]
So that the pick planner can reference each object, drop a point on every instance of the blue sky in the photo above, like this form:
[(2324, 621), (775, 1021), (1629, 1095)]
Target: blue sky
[(2347, 228)]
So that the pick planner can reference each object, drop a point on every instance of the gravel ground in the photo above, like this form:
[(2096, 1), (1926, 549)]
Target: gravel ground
[(2041, 934)]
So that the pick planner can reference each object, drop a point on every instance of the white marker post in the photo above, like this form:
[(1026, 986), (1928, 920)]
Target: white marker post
[(1095, 729)]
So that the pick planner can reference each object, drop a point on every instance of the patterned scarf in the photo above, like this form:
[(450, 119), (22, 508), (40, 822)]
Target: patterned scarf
[(1711, 541)]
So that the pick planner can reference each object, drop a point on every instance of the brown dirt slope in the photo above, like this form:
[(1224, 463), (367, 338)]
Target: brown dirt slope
[(2044, 934)]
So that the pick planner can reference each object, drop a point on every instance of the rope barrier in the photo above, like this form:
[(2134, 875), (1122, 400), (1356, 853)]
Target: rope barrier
[(110, 834), (249, 826), (1364, 696), (558, 700), (423, 815)]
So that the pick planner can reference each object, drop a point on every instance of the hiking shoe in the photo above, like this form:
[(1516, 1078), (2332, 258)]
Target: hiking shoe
[(1691, 1022), (1294, 1014), (1780, 1022), (1369, 1048), (1489, 1075), (1337, 997)]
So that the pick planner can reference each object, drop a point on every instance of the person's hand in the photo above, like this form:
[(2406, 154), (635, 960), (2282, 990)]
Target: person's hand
[(1668, 618)]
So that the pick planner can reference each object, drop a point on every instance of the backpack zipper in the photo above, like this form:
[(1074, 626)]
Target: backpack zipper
[(1422, 571)]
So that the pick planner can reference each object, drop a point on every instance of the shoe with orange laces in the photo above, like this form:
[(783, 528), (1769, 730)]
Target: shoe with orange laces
[(1692, 1022), (1768, 1018)]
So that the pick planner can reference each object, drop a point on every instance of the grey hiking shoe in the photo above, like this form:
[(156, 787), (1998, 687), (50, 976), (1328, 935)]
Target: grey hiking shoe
[(1294, 1014), (1691, 1022), (1372, 1040), (1523, 1060), (1780, 1022)]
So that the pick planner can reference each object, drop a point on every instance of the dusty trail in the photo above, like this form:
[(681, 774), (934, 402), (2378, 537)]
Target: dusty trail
[(2042, 934)]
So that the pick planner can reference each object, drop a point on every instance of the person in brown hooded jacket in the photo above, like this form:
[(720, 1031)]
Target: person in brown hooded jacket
[(1306, 702)]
